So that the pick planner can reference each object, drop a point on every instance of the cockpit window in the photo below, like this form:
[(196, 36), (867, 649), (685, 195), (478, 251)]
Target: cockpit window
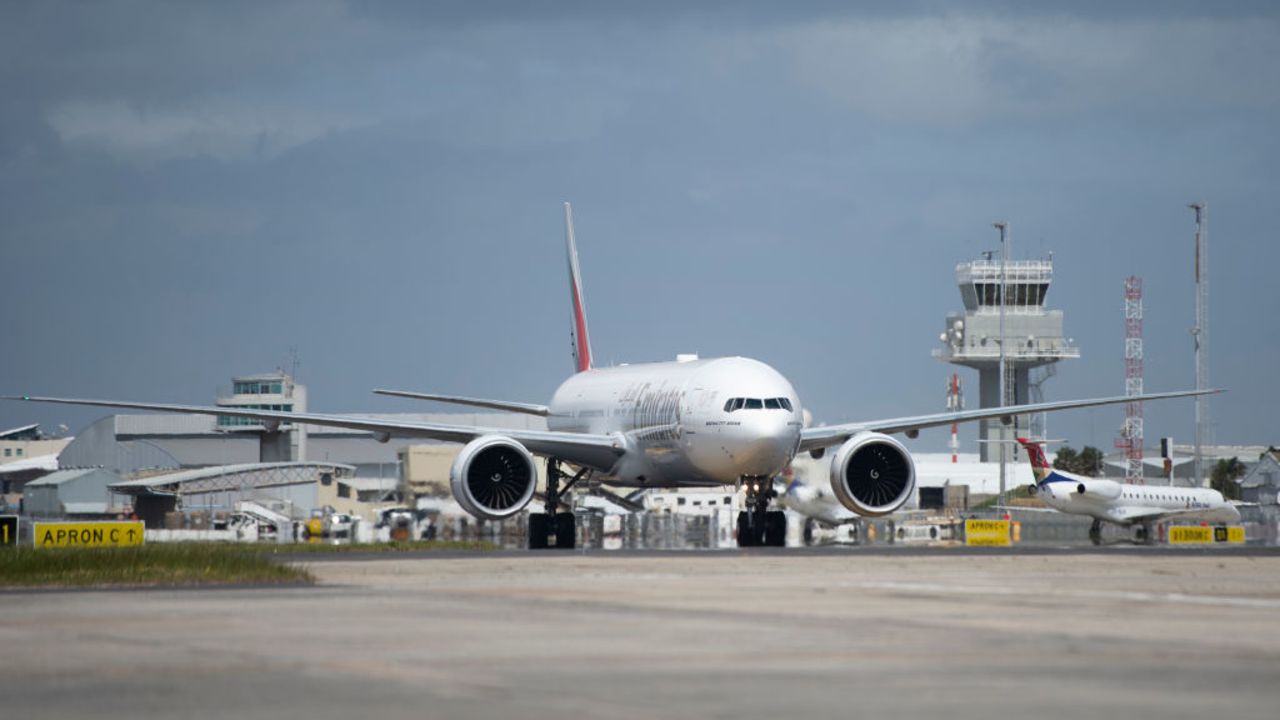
[(780, 403)]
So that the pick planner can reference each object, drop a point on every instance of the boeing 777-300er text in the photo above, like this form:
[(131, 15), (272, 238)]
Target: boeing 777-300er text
[(709, 422), (1121, 503)]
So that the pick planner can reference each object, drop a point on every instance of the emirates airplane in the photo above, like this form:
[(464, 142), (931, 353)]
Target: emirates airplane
[(1121, 503), (691, 422)]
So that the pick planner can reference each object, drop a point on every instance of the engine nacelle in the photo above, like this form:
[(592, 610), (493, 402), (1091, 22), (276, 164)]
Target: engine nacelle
[(493, 477), (1099, 489), (872, 474)]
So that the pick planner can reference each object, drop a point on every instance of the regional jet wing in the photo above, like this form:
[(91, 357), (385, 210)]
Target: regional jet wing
[(519, 407), (592, 450), (820, 437)]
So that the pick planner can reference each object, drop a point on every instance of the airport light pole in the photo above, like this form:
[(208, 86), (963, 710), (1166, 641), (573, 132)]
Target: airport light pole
[(1200, 333), (1003, 227)]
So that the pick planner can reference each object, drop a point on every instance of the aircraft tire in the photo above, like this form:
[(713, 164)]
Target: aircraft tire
[(746, 534), (566, 531), (539, 530), (810, 528), (775, 528)]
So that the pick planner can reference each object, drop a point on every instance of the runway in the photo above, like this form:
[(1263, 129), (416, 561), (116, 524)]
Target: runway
[(1133, 632)]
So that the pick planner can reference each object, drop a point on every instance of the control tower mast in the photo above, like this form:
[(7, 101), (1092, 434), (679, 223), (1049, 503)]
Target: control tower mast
[(1032, 337), (1131, 433)]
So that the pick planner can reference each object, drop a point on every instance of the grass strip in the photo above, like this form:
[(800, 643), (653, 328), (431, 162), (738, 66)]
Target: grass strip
[(155, 565)]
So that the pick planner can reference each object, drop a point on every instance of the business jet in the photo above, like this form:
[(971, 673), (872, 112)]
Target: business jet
[(691, 422), (1139, 506)]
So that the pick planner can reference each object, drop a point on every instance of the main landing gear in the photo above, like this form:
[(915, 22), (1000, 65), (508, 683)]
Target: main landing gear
[(554, 529), (758, 525), (1095, 532), (1144, 534)]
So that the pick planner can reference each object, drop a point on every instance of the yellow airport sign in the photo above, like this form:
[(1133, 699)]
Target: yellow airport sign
[(117, 533), (1205, 535), (986, 532), (8, 529)]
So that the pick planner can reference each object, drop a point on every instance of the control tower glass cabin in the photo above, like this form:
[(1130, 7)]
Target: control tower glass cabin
[(1032, 338)]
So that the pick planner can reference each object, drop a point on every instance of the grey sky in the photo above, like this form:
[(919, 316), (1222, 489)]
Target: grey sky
[(186, 192)]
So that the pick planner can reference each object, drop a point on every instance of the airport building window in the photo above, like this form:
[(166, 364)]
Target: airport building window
[(229, 421), (344, 490), (259, 388), (19, 452), (8, 452)]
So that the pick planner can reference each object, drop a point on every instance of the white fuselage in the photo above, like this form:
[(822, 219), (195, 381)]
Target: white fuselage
[(1126, 504), (679, 422), (817, 502)]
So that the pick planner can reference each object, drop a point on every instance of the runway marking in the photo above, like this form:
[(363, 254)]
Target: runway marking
[(1179, 598)]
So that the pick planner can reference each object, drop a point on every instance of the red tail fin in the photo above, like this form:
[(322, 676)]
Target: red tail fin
[(581, 340), (1040, 466)]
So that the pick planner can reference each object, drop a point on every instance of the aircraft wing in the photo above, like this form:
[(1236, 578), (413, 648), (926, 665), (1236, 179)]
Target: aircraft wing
[(519, 407), (825, 436), (595, 451)]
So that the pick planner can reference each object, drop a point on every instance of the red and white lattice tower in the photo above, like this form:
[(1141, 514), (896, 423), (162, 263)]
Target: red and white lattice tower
[(1130, 439), (955, 403)]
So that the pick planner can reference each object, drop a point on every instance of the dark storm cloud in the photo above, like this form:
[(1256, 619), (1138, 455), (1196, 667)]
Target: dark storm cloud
[(188, 191)]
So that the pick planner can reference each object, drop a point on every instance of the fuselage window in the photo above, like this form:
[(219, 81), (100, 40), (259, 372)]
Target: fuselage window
[(754, 404)]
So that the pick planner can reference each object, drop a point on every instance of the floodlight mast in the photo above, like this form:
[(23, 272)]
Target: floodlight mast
[(1200, 334)]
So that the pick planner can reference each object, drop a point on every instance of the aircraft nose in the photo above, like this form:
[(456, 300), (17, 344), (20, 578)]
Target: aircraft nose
[(764, 445)]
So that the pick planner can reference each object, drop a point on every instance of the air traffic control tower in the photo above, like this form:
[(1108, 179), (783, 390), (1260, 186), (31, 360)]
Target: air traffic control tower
[(1032, 338)]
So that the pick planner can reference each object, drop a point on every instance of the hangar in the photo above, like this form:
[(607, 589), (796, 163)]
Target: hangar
[(291, 488)]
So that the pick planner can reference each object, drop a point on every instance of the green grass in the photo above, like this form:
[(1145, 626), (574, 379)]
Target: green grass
[(325, 547), (156, 565)]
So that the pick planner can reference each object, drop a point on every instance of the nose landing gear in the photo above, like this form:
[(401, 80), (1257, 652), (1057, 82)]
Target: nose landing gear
[(758, 525)]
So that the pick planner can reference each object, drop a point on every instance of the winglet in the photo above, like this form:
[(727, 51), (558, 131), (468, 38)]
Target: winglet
[(1035, 453), (581, 339)]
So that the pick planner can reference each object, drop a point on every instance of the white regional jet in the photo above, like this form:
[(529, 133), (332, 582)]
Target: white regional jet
[(1121, 503), (712, 422)]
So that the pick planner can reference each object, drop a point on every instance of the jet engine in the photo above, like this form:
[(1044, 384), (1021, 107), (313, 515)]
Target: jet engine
[(493, 477), (1099, 489), (872, 474)]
